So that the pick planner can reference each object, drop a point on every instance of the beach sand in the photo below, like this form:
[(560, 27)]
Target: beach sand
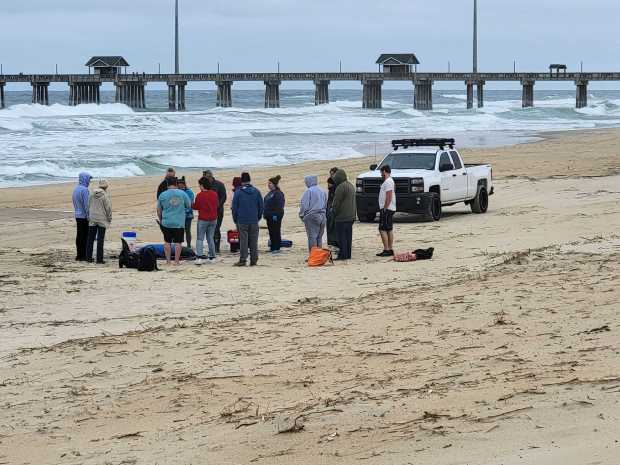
[(503, 349)]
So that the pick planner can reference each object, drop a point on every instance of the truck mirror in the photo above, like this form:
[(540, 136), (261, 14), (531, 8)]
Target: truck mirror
[(373, 167)]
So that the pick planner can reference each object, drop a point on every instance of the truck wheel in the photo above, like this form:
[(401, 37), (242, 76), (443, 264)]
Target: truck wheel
[(481, 203), (366, 217), (433, 212)]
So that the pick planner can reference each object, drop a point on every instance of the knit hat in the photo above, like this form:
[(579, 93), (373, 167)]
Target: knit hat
[(103, 184), (275, 180)]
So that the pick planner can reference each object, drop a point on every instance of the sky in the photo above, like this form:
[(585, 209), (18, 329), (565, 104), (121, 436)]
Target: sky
[(304, 35)]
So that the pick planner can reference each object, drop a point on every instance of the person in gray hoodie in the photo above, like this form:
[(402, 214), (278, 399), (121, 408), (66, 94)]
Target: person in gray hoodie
[(100, 211), (313, 210), (80, 206)]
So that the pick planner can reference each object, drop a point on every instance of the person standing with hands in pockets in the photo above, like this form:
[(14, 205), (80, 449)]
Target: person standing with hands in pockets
[(387, 206), (273, 213)]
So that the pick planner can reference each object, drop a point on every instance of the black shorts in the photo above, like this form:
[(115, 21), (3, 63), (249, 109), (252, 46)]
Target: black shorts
[(386, 220), (173, 235)]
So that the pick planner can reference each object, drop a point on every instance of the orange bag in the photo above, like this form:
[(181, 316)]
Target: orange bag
[(319, 257)]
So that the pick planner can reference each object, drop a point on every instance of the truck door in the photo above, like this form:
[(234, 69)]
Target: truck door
[(459, 184), (446, 170)]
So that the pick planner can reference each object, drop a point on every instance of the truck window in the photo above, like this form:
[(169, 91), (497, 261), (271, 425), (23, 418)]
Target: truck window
[(445, 160), (456, 160), (410, 161)]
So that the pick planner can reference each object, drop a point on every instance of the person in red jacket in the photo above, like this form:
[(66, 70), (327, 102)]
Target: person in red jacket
[(206, 203)]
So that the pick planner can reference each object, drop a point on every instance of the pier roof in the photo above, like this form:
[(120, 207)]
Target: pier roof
[(398, 59), (107, 62)]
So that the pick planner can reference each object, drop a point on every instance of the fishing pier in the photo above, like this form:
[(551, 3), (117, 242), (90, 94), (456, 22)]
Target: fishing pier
[(131, 88)]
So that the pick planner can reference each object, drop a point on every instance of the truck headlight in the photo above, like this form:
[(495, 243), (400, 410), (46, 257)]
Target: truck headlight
[(417, 185), (359, 185)]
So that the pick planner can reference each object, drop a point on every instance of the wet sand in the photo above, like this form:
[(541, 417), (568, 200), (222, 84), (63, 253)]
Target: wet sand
[(502, 349)]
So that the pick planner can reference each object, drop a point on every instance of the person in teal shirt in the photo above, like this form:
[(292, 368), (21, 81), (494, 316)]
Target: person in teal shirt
[(171, 211), (189, 213)]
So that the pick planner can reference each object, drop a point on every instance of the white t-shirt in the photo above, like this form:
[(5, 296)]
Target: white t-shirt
[(387, 186)]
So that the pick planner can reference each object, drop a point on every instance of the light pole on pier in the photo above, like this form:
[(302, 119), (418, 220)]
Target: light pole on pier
[(475, 36), (176, 36)]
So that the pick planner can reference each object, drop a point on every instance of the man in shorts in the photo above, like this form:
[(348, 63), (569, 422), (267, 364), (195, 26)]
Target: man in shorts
[(387, 206), (171, 209)]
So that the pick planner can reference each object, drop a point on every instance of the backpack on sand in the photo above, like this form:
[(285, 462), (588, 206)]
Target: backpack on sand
[(148, 259), (127, 258), (320, 257)]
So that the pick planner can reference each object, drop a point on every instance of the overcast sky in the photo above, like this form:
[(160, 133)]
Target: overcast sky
[(308, 35)]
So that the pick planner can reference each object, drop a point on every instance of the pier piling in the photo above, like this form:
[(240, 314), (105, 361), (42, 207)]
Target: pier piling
[(528, 93), (423, 95), (131, 93), (181, 95), (582, 94), (480, 93), (2, 101), (172, 96), (321, 92), (372, 96), (272, 94), (224, 94), (84, 92), (470, 94), (40, 93)]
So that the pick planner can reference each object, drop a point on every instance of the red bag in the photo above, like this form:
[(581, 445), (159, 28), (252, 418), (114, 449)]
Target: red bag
[(233, 240)]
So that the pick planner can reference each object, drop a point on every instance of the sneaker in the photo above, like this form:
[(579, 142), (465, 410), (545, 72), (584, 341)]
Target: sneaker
[(239, 264), (253, 263), (210, 261), (102, 262), (198, 261), (391, 252), (385, 253), (275, 252)]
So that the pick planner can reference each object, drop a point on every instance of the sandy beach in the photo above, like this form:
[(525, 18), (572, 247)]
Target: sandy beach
[(503, 349)]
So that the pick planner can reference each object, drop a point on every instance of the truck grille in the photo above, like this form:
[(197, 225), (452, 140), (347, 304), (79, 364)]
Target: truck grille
[(372, 186)]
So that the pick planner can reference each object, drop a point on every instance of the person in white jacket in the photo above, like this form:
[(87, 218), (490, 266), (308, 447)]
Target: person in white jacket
[(100, 217)]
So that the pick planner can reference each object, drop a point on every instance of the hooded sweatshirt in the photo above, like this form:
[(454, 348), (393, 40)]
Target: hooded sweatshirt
[(100, 208), (344, 208), (247, 205), (314, 199), (81, 195)]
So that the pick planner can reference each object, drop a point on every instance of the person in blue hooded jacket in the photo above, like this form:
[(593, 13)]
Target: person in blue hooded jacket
[(81, 197), (247, 210)]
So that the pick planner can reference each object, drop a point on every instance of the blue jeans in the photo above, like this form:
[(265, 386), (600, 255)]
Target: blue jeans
[(205, 228)]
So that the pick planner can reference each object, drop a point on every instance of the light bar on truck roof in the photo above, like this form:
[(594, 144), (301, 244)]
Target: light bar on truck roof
[(406, 143)]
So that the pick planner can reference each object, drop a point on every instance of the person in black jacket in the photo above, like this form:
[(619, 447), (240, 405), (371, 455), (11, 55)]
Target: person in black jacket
[(220, 188), (274, 212), (163, 186)]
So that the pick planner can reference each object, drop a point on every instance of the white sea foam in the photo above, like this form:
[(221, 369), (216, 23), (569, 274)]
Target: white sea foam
[(43, 144)]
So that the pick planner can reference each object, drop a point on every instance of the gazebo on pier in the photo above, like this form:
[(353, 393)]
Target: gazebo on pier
[(397, 63), (107, 66)]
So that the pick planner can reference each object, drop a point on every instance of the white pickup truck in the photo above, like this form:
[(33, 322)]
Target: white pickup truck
[(428, 174)]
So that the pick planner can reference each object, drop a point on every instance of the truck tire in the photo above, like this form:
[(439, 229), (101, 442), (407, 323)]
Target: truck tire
[(366, 217), (480, 204), (433, 212)]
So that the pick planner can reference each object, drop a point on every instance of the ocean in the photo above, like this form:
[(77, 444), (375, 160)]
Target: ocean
[(40, 145)]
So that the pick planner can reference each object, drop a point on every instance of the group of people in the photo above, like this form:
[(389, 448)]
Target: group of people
[(333, 211)]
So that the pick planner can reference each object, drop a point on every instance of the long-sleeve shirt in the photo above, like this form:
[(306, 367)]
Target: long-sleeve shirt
[(206, 203)]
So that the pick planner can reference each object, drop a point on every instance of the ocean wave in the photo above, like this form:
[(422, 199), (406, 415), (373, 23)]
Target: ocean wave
[(41, 144)]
